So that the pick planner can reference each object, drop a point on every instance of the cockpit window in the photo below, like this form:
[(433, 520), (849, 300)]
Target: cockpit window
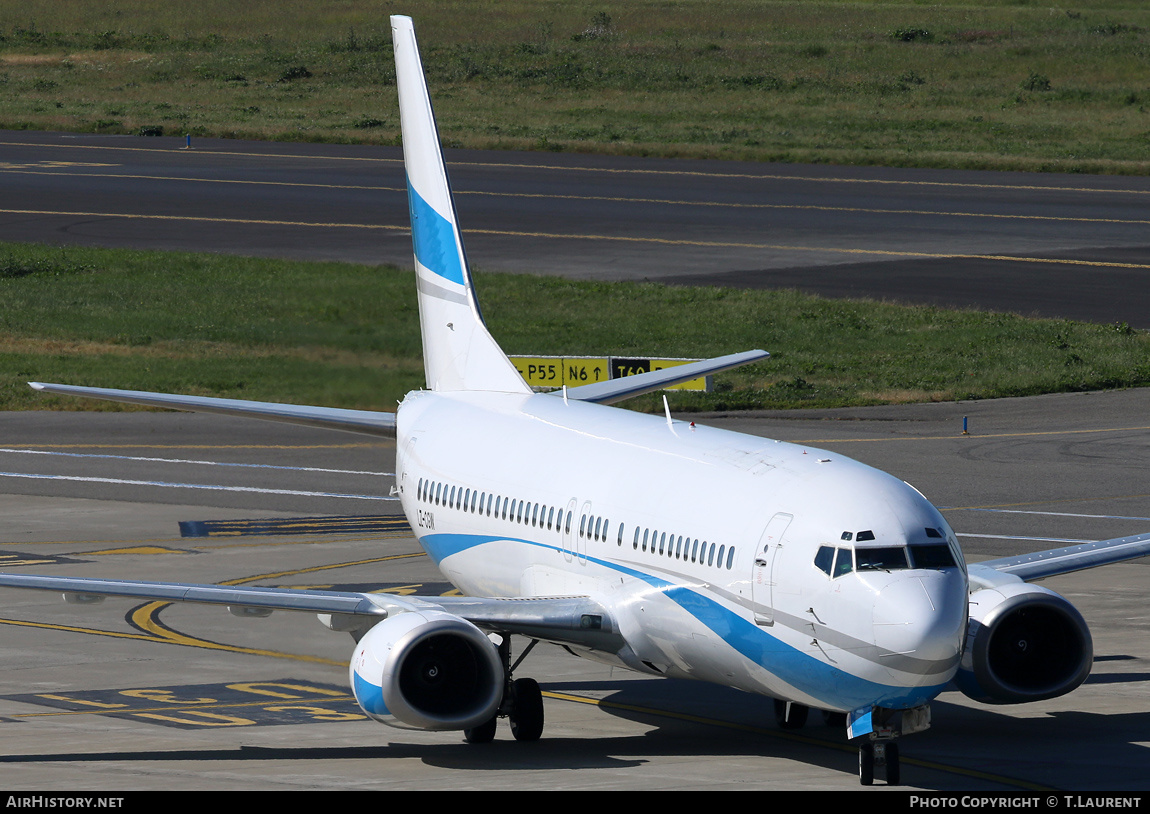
[(843, 562), (824, 559), (933, 555), (835, 562), (881, 559)]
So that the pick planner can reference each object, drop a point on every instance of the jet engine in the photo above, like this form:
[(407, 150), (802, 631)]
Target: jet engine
[(1023, 643), (427, 670)]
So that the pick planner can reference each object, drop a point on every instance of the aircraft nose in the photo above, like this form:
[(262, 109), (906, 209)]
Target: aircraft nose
[(918, 625)]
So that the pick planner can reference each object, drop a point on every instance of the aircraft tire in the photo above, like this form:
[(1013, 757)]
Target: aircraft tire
[(866, 764), (484, 733), (893, 771), (527, 711)]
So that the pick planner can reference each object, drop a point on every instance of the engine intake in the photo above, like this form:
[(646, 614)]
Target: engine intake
[(427, 670), (1023, 643)]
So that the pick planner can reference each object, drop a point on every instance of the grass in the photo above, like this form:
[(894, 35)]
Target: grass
[(1007, 84), (347, 336)]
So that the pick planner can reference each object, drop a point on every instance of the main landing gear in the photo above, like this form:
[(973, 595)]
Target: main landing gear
[(522, 703)]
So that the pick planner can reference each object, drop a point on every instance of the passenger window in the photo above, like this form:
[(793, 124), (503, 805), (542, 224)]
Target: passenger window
[(620, 542), (635, 545), (722, 551), (598, 522), (711, 554), (695, 550), (646, 532), (730, 557)]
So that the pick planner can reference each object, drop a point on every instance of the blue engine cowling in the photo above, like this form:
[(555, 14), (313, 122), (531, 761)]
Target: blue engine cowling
[(1023, 643), (427, 670)]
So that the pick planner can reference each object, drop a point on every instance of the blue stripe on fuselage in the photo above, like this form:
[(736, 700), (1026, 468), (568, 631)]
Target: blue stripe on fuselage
[(434, 239), (834, 686)]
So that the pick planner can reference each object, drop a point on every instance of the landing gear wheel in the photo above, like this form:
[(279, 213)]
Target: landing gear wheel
[(484, 733), (527, 710), (789, 715), (866, 764), (893, 775)]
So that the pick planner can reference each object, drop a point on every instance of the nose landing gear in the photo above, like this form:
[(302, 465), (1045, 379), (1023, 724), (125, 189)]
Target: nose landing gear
[(880, 753), (877, 729)]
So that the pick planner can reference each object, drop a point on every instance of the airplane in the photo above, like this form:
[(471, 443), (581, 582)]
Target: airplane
[(641, 541)]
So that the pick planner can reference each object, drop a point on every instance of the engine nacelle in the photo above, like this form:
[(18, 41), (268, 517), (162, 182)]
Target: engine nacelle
[(427, 670), (1023, 643)]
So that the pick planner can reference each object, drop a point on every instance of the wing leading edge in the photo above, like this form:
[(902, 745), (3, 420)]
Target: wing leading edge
[(1043, 564), (574, 620), (365, 422)]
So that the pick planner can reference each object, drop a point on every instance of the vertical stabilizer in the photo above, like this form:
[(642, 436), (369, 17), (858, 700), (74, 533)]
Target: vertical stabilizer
[(458, 351)]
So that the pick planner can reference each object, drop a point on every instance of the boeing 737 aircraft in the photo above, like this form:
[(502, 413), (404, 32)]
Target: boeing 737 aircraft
[(796, 574)]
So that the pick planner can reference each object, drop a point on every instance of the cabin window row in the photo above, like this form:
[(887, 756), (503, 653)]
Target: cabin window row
[(489, 504), (591, 527), (682, 548)]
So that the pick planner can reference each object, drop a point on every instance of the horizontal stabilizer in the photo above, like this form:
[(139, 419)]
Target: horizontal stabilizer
[(614, 390), (366, 422)]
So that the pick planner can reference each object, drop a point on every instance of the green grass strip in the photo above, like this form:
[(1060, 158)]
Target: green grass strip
[(1001, 84), (347, 335)]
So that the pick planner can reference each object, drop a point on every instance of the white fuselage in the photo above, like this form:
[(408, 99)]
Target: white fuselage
[(702, 542)]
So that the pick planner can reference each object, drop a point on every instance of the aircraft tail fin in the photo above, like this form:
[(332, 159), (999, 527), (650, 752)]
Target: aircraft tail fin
[(458, 351)]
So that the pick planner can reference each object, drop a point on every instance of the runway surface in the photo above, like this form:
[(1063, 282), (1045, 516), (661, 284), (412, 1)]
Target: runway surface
[(123, 696), (1056, 245), (118, 696)]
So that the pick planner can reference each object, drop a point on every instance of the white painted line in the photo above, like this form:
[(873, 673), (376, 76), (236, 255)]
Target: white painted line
[(1036, 539), (207, 486), (201, 463), (1052, 514)]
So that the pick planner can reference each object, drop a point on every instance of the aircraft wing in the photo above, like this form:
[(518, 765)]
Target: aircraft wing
[(572, 620), (614, 390), (1043, 564), (366, 422)]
